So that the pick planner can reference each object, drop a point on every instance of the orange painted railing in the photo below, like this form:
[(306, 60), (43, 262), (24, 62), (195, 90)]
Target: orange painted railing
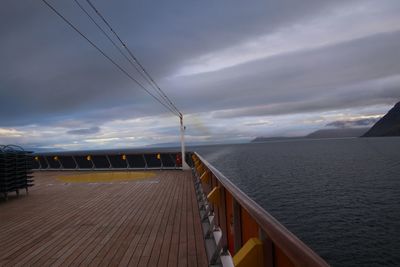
[(241, 219)]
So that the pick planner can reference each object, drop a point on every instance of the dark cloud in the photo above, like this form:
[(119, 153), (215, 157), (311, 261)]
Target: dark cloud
[(85, 131), (49, 72), (356, 73)]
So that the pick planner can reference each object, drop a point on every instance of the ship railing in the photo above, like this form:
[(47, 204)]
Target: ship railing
[(244, 233), (79, 161)]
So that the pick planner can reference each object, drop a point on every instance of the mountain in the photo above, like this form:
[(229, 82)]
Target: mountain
[(322, 133), (388, 125), (261, 139), (338, 133)]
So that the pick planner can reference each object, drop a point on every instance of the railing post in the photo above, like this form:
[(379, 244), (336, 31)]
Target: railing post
[(89, 158), (145, 161), (109, 162), (162, 164), (125, 157), (56, 159), (48, 164), (76, 163), (38, 161), (237, 225), (223, 220), (267, 249)]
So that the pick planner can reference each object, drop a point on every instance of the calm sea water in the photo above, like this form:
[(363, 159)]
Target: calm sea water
[(340, 196)]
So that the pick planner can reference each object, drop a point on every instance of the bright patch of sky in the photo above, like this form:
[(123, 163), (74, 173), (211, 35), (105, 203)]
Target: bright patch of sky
[(201, 127)]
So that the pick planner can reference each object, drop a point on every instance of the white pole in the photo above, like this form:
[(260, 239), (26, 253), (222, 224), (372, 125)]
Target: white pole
[(185, 166)]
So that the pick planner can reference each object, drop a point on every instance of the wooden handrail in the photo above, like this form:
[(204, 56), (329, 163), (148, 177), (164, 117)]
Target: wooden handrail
[(298, 252)]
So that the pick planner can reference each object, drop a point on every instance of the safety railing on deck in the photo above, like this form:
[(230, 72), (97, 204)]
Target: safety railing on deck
[(107, 161), (250, 234)]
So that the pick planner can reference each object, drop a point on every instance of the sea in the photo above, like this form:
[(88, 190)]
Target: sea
[(339, 196)]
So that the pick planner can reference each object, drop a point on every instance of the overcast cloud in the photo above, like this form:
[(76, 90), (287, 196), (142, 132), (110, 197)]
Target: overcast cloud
[(236, 69)]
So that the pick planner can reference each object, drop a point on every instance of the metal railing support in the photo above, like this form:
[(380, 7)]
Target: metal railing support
[(271, 242)]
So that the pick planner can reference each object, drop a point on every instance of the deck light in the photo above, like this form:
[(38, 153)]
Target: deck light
[(124, 157), (158, 156), (55, 158), (89, 157), (37, 158)]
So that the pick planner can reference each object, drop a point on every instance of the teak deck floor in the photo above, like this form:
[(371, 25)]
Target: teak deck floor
[(138, 223)]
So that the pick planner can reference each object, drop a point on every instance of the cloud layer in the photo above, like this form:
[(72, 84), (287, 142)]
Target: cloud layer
[(353, 123), (237, 70)]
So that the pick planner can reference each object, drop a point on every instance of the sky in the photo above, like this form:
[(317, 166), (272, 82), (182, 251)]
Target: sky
[(235, 69)]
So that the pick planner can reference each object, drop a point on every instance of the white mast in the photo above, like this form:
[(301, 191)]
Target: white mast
[(185, 166)]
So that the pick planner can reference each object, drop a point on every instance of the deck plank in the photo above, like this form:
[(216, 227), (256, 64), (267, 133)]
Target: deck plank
[(163, 231), (183, 244), (138, 223), (174, 245)]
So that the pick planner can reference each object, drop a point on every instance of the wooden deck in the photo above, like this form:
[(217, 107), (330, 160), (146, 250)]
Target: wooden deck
[(153, 222)]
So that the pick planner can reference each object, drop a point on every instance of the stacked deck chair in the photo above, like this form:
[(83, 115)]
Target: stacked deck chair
[(15, 170)]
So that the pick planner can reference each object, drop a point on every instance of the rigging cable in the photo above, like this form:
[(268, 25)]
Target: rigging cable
[(177, 113), (101, 29), (136, 66), (132, 55)]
